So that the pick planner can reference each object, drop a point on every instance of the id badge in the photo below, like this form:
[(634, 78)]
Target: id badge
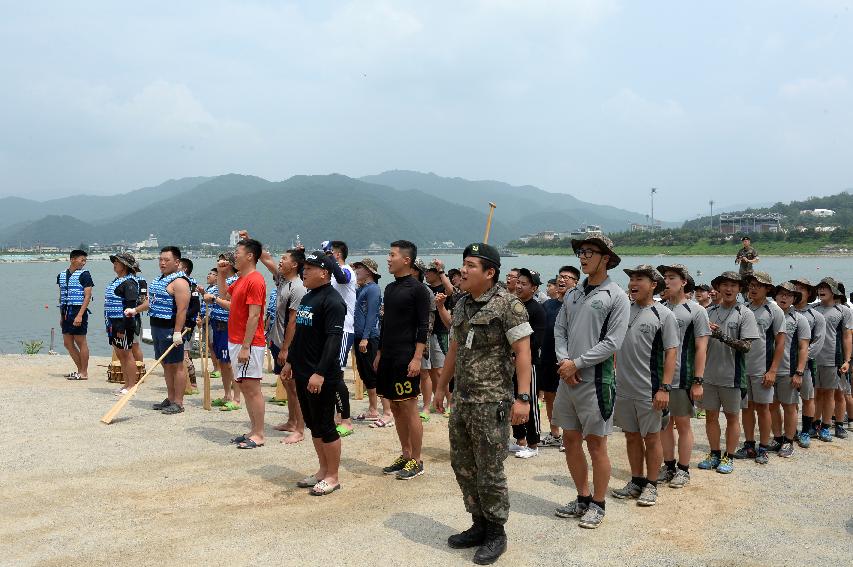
[(470, 339)]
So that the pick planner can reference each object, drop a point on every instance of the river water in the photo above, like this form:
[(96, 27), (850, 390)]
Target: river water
[(29, 292)]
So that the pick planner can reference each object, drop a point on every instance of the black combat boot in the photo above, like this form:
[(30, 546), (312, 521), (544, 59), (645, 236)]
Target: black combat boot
[(472, 537), (494, 545)]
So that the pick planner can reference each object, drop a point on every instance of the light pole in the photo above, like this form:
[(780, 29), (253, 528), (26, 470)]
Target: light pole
[(711, 202), (652, 196)]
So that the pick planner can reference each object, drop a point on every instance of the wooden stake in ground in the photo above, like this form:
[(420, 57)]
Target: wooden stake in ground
[(358, 384), (205, 362), (280, 392), (492, 208), (119, 405)]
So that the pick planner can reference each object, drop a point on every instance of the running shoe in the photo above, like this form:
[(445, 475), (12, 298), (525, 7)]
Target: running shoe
[(813, 433), (527, 453), (711, 461), (573, 509), (172, 409), (746, 452), (396, 466), (630, 490), (839, 431), (680, 480), (562, 448), (593, 517), (774, 446), (410, 470), (761, 457), (664, 474), (726, 465), (550, 441), (825, 435), (804, 440), (120, 392), (787, 450), (162, 405), (649, 497), (514, 447)]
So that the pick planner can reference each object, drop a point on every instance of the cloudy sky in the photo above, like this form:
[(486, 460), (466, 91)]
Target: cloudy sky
[(737, 101)]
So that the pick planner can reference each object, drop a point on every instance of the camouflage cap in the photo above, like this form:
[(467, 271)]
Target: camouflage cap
[(650, 272), (602, 242), (682, 271), (703, 287), (369, 264), (229, 257), (790, 288), (420, 266), (831, 284), (435, 265), (761, 277), (125, 258), (726, 276), (808, 285)]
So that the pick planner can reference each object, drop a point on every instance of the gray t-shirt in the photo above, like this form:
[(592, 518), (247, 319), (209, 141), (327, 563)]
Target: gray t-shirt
[(770, 319), (838, 319), (726, 366), (796, 329), (692, 321), (652, 330), (290, 293)]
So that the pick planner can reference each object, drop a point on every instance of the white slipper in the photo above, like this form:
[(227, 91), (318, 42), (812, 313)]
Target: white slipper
[(323, 488)]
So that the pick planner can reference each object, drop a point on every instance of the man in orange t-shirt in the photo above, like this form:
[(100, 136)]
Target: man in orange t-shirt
[(246, 342)]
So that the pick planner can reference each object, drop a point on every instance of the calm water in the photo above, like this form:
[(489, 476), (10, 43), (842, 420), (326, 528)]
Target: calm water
[(28, 287)]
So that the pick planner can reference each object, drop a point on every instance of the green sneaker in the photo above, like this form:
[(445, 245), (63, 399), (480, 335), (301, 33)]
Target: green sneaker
[(229, 406), (218, 402), (343, 430), (410, 470), (396, 466), (216, 374)]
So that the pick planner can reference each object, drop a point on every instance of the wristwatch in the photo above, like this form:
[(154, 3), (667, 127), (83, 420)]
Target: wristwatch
[(798, 373), (665, 388), (698, 380), (523, 398)]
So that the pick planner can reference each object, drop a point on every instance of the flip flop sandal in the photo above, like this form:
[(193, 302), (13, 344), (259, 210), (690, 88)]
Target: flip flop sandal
[(379, 423), (249, 444), (229, 406), (308, 482), (240, 439), (366, 417), (323, 488), (424, 417), (70, 374), (78, 377), (343, 431), (218, 403)]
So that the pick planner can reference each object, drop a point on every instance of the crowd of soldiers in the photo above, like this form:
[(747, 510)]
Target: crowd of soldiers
[(483, 352)]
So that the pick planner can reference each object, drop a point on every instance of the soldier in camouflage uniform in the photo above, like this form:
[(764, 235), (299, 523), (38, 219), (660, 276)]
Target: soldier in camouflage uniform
[(489, 325)]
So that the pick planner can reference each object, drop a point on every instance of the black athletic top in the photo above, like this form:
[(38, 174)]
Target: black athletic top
[(316, 346), (536, 316), (406, 318), (548, 358)]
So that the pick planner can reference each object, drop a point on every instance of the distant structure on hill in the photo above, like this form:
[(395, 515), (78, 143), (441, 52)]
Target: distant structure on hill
[(750, 222), (818, 212)]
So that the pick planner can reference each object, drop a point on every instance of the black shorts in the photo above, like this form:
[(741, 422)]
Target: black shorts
[(547, 377), (393, 383), (364, 362), (318, 409), (69, 313), (125, 341), (274, 350)]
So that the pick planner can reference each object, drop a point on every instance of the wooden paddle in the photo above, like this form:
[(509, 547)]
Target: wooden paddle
[(205, 363), (119, 405), (492, 208)]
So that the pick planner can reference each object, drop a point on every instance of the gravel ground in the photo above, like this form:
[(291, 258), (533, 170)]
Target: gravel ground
[(153, 489)]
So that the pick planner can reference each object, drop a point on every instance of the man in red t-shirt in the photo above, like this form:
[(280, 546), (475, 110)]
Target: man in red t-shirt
[(246, 342)]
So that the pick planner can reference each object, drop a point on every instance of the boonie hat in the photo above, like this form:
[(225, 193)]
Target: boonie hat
[(602, 242), (831, 284), (682, 271), (369, 264), (433, 265), (703, 287), (420, 266), (534, 276), (229, 257), (484, 251), (650, 272), (790, 288), (726, 276), (807, 284), (761, 277), (127, 259)]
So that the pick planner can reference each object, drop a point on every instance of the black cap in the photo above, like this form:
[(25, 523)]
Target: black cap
[(553, 281), (484, 251), (746, 238), (532, 275), (321, 260), (703, 287)]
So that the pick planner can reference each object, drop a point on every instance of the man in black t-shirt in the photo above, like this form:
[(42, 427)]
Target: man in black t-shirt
[(437, 282), (313, 362)]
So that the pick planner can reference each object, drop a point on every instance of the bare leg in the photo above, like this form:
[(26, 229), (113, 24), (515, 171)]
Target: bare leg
[(71, 347), (255, 408), (712, 428), (137, 352), (776, 419), (332, 454), (748, 418), (840, 406), (414, 428), (426, 389), (576, 460), (83, 348), (790, 411), (549, 409), (128, 367), (321, 456), (762, 411), (401, 423), (685, 439), (597, 447), (732, 432), (372, 402), (654, 455), (169, 371), (634, 445)]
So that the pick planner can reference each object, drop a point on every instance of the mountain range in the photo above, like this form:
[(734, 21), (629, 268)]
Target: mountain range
[(424, 208)]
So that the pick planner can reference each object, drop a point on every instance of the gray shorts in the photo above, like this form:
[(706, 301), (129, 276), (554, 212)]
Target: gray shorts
[(578, 408), (680, 404), (827, 378), (726, 397), (785, 393), (756, 393), (636, 416), (807, 387), (437, 350)]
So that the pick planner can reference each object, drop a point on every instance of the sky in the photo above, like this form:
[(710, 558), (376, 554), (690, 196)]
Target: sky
[(733, 101)]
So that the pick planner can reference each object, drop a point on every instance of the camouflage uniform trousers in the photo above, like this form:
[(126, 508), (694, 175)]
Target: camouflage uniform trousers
[(478, 437)]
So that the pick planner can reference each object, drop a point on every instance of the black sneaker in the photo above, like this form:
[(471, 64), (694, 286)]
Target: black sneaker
[(172, 409), (162, 405), (396, 466), (774, 446), (410, 470)]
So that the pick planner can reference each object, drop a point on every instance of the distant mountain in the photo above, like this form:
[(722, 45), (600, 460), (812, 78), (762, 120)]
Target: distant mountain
[(90, 208), (525, 208), (315, 207)]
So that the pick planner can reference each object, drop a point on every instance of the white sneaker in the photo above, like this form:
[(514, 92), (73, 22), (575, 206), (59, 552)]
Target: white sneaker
[(120, 392), (527, 453), (514, 447)]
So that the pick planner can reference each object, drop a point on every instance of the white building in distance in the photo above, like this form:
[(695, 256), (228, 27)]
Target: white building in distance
[(818, 212)]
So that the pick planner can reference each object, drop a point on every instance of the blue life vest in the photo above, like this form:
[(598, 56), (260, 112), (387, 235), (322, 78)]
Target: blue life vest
[(71, 291), (113, 304), (203, 307), (218, 313), (161, 305), (142, 286)]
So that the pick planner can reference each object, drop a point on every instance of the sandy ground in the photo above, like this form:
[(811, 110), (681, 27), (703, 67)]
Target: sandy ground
[(167, 490)]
